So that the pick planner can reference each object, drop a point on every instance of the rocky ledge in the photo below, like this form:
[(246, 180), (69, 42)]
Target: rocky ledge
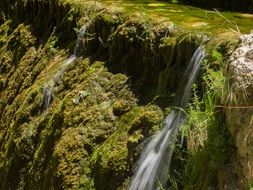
[(239, 110)]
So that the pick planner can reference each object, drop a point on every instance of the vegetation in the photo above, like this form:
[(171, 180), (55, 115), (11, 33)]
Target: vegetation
[(197, 19), (209, 144), (111, 98), (91, 108)]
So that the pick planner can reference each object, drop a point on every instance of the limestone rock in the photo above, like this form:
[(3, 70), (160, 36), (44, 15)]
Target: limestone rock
[(239, 111)]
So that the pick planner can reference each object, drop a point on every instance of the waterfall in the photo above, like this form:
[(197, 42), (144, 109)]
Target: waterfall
[(154, 163), (49, 87)]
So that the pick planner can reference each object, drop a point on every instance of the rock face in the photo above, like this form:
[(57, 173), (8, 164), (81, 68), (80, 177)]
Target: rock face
[(104, 105), (239, 112), (89, 131), (89, 136)]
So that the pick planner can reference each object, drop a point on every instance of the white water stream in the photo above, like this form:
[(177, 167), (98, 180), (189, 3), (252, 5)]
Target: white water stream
[(49, 87), (154, 163)]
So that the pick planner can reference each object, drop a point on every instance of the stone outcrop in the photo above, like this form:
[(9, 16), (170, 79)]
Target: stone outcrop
[(239, 110)]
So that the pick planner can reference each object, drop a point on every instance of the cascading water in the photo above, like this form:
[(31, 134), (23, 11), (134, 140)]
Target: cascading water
[(49, 87), (154, 163)]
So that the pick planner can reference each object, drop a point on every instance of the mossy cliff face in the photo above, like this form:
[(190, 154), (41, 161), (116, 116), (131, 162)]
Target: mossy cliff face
[(148, 53), (45, 17), (75, 142), (104, 104)]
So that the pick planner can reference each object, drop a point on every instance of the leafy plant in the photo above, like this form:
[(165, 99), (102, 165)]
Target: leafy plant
[(251, 186), (208, 140)]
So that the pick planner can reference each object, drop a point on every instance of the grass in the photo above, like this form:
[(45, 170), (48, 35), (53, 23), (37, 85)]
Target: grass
[(185, 16), (208, 141), (231, 24)]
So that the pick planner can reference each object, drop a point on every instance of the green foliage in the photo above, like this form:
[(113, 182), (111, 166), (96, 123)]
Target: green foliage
[(217, 56), (89, 136), (208, 140), (251, 186), (173, 183)]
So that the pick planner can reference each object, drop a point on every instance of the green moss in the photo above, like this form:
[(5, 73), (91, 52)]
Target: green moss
[(113, 161), (120, 107), (4, 31), (184, 16), (89, 137), (100, 32)]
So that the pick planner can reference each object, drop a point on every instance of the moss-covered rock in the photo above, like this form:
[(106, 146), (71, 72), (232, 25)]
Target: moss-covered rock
[(112, 162), (90, 107), (102, 107), (120, 107)]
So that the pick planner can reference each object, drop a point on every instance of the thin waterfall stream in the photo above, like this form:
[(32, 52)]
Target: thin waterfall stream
[(49, 87), (154, 163)]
